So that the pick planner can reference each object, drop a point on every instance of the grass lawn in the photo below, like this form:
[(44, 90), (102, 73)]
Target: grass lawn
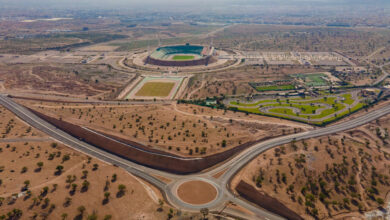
[(318, 79), (285, 111), (251, 104), (354, 109), (277, 112), (348, 99), (159, 89), (275, 87), (183, 57), (325, 100)]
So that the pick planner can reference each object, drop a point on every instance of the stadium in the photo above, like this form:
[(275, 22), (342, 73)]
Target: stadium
[(181, 55)]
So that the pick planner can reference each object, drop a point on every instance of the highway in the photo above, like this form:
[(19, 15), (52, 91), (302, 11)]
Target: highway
[(232, 166), (383, 76)]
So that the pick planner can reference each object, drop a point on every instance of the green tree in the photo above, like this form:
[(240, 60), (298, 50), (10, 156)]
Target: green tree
[(121, 188), (106, 195), (64, 216), (26, 184), (95, 166), (66, 157), (85, 185), (81, 210), (85, 174), (107, 217), (223, 143), (40, 165), (92, 216), (114, 177), (24, 169), (59, 169)]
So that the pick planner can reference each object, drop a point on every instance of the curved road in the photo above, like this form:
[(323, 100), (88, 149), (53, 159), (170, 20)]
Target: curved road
[(231, 167)]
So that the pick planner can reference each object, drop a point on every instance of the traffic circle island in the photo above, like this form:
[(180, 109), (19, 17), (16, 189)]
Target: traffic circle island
[(196, 192)]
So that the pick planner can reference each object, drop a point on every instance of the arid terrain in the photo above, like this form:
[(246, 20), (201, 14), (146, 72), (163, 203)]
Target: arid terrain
[(62, 80), (43, 179), (178, 129), (354, 42), (329, 177), (31, 181)]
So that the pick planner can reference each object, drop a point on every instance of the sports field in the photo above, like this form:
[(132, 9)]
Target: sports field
[(274, 88), (313, 80), (183, 57), (158, 89)]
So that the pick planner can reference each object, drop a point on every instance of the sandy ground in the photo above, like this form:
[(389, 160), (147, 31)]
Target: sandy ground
[(196, 192), (359, 153), (12, 127), (185, 132), (70, 80), (19, 163)]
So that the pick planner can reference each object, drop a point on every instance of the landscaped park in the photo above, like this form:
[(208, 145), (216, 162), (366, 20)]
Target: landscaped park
[(313, 110)]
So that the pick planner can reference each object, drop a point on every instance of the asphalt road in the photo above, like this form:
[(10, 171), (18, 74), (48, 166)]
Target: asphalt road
[(232, 166)]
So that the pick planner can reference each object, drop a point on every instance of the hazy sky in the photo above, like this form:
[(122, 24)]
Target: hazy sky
[(156, 4)]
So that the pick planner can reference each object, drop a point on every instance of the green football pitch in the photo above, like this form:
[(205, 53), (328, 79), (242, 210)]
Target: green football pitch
[(183, 57), (159, 89)]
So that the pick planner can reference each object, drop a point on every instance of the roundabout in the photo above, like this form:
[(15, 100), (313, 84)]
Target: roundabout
[(196, 192)]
